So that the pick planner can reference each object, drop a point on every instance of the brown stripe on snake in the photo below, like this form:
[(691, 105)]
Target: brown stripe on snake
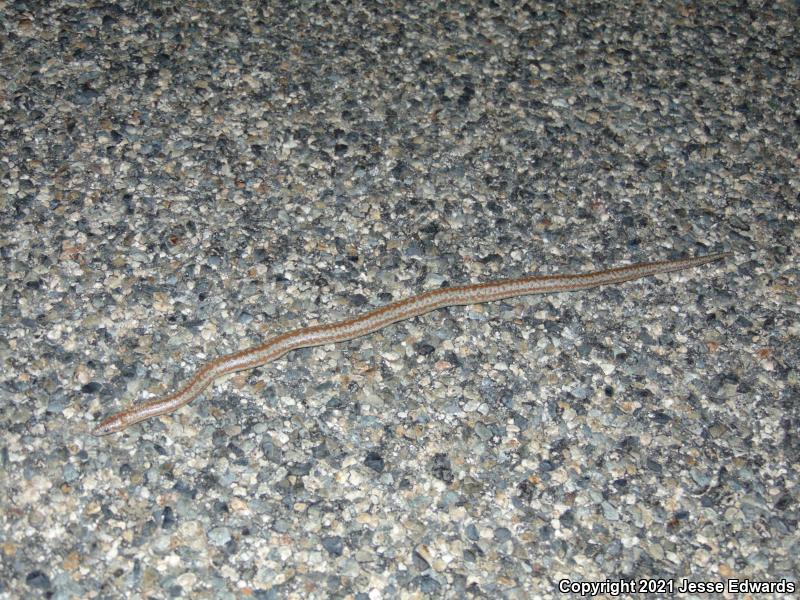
[(379, 318)]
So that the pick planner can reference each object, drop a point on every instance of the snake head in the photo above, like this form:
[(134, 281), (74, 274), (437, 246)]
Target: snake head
[(112, 424)]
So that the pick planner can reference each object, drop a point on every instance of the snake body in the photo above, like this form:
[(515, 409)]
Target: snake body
[(379, 318)]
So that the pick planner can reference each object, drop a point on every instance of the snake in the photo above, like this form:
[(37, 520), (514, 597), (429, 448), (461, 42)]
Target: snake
[(378, 318)]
